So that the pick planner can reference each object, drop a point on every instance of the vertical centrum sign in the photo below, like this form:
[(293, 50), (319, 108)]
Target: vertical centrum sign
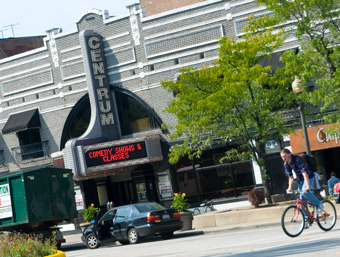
[(5, 202), (102, 89), (101, 97)]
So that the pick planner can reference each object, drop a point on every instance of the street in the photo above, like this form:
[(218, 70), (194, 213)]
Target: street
[(250, 242)]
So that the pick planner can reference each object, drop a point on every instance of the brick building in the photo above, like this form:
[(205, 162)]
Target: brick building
[(91, 99)]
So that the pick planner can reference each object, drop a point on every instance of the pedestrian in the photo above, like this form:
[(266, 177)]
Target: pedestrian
[(317, 186), (331, 182), (305, 178)]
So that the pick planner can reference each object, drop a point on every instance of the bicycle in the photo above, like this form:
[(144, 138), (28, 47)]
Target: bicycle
[(207, 205), (293, 220)]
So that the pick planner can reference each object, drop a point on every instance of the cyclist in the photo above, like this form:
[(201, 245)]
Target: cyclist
[(305, 178)]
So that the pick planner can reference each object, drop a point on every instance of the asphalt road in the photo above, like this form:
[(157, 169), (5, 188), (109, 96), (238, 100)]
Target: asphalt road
[(249, 242)]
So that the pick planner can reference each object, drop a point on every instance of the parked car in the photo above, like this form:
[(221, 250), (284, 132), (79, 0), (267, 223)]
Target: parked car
[(128, 224)]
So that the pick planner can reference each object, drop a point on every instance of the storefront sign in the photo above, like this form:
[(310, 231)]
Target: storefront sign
[(320, 137), (164, 185), (272, 146), (5, 202), (115, 154)]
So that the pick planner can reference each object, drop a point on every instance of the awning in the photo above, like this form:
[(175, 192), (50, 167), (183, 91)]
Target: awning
[(22, 121)]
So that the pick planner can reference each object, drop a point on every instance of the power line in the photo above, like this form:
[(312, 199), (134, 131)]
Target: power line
[(12, 27)]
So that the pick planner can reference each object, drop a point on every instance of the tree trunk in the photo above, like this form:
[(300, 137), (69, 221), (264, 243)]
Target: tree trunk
[(266, 188)]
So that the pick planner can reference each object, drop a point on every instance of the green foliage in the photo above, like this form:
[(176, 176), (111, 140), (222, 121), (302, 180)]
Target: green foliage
[(89, 213), (235, 100), (179, 202), (316, 25), (20, 245)]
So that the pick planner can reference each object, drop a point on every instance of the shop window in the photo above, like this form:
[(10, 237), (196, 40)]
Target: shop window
[(141, 191), (164, 185)]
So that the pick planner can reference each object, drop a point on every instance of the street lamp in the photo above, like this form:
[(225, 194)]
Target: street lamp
[(298, 88)]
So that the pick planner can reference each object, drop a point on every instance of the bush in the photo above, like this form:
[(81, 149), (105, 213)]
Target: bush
[(90, 212), (23, 245), (179, 202), (255, 197)]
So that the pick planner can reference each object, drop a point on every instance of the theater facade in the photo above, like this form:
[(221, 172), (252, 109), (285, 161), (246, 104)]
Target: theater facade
[(91, 100)]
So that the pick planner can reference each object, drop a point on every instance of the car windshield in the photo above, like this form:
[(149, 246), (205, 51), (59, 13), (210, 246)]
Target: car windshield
[(146, 207)]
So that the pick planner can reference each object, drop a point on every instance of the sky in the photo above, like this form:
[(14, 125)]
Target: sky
[(25, 18)]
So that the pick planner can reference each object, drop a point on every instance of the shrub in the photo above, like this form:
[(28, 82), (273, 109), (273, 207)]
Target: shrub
[(23, 245), (179, 202), (89, 213), (255, 197)]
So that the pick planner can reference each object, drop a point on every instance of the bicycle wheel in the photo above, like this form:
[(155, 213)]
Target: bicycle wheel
[(208, 209), (197, 211), (292, 221), (327, 218)]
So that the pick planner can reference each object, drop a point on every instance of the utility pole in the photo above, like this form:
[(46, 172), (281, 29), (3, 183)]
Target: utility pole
[(12, 27), (2, 32)]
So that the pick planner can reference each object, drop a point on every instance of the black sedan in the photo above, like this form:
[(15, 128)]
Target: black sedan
[(129, 223)]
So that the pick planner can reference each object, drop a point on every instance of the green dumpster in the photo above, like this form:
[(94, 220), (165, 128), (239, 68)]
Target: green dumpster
[(37, 197)]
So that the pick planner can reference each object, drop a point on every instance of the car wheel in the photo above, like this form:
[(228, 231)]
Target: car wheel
[(124, 242), (91, 241), (167, 235), (133, 236)]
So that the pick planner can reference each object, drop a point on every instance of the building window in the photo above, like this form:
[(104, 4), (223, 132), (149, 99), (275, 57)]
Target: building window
[(133, 72), (53, 92), (36, 96), (23, 99), (69, 88), (176, 61), (201, 55), (7, 103), (151, 67), (30, 143), (133, 116)]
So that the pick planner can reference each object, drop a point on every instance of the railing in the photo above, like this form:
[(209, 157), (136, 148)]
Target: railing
[(31, 152)]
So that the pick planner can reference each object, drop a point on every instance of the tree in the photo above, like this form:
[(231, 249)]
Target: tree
[(316, 25), (234, 99)]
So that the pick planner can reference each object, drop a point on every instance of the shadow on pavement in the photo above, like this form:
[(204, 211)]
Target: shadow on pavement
[(78, 246)]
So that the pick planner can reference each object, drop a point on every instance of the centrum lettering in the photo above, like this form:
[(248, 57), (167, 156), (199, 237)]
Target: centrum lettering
[(98, 68), (326, 137)]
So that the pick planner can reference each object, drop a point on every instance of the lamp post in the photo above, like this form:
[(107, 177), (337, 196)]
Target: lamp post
[(298, 89)]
